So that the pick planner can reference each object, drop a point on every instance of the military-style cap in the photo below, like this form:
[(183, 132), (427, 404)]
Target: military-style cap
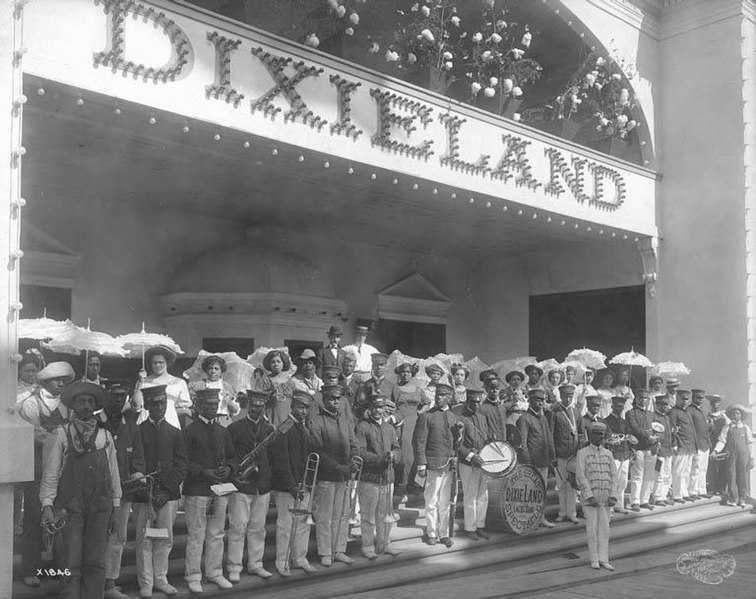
[(536, 394), (618, 399), (155, 392), (665, 399), (713, 397), (474, 394), (118, 386), (332, 390), (444, 389), (302, 397), (642, 393), (566, 388), (683, 393), (332, 370), (258, 398), (673, 382), (207, 395), (596, 427), (592, 399), (379, 358), (378, 401), (698, 393)]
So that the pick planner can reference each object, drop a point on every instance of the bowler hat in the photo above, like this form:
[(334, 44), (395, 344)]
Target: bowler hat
[(334, 331)]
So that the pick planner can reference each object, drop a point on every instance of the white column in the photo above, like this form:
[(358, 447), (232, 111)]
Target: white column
[(15, 437)]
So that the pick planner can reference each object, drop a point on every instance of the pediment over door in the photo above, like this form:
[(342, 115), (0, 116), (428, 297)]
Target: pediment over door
[(414, 298)]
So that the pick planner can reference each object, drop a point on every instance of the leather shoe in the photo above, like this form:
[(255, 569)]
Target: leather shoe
[(606, 566), (166, 589), (306, 566), (234, 576), (595, 566), (116, 593), (447, 542), (731, 504), (670, 502), (694, 497), (393, 552), (689, 498), (370, 554), (471, 534), (326, 560), (221, 582), (432, 541), (660, 503), (483, 534), (195, 586), (144, 593), (547, 524), (678, 500), (283, 573), (574, 519), (647, 506), (260, 571), (618, 510), (343, 558), (560, 518), (635, 507)]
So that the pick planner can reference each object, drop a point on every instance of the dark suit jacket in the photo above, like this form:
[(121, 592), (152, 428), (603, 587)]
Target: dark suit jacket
[(164, 446), (326, 358)]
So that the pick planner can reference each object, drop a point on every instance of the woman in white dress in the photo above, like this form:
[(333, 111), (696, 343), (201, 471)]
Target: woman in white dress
[(159, 358), (214, 366)]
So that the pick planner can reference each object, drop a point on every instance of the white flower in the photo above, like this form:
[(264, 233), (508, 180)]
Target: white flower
[(475, 87), (604, 121), (617, 77), (501, 24), (493, 82), (486, 56), (624, 98), (526, 39), (354, 18), (374, 48), (590, 78), (411, 58), (507, 85), (517, 53), (415, 7), (477, 37), (489, 92), (391, 56), (598, 86), (340, 11), (428, 35), (426, 11), (448, 56), (631, 125), (349, 31), (312, 41), (516, 116), (449, 65), (489, 2), (495, 38), (621, 120), (516, 91), (333, 4), (600, 61), (455, 21)]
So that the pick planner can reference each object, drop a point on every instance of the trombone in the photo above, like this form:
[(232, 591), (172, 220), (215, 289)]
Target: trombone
[(385, 489), (309, 478), (350, 494)]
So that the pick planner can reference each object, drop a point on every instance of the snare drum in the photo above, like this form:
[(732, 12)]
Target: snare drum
[(499, 458)]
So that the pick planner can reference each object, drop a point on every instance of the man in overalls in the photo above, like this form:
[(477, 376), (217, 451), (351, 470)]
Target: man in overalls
[(80, 476), (736, 438), (43, 410)]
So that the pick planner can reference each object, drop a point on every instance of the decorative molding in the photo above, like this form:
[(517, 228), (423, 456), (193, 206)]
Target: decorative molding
[(263, 303), (416, 299), (684, 16), (648, 248)]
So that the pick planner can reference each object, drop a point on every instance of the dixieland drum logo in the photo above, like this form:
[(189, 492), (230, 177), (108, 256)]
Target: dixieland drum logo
[(524, 499)]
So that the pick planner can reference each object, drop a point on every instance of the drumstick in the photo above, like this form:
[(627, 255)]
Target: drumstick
[(501, 453), (496, 461)]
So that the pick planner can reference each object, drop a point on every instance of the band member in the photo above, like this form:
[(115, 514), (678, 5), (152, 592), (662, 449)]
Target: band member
[(683, 445), (159, 359), (350, 384), (80, 476), (332, 376), (131, 467), (537, 441), (333, 355), (737, 438), (592, 410), (596, 474), (569, 435), (700, 466), (288, 460), (643, 468), (214, 367), (433, 443), (45, 412), (663, 455), (621, 452), (378, 446), (248, 508), (211, 459), (716, 419), (166, 462), (334, 441), (494, 410), (362, 351), (377, 384), (475, 435)]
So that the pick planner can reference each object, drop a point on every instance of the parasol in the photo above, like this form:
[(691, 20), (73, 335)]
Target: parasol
[(577, 365), (632, 358), (135, 344), (549, 365), (255, 361), (670, 369), (589, 358), (81, 339), (475, 366), (43, 328), (237, 374), (502, 367), (397, 358)]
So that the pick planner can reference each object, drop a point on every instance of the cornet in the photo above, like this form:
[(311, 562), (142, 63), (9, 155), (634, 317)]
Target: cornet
[(309, 478)]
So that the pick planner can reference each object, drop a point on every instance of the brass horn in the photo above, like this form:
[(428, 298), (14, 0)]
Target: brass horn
[(309, 478)]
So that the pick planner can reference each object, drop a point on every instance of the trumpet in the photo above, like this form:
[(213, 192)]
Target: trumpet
[(309, 478), (618, 438)]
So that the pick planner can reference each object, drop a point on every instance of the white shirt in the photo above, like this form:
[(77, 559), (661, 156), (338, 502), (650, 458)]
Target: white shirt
[(363, 353)]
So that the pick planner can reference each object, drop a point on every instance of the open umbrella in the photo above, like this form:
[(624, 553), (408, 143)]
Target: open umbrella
[(549, 365), (502, 367), (238, 371), (632, 358), (589, 358), (396, 358), (578, 366), (82, 339), (475, 366), (136, 344), (670, 369), (255, 361), (44, 328)]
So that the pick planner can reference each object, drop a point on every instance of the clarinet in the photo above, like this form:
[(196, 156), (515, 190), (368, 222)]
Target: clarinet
[(454, 465)]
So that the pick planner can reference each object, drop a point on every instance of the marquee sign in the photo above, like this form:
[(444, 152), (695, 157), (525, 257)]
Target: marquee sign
[(175, 58)]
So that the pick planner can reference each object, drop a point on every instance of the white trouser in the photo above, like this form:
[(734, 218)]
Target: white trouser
[(698, 470), (284, 502), (475, 491), (544, 472), (152, 555), (376, 504), (331, 517), (642, 476), (663, 479), (681, 464), (437, 499), (246, 519), (567, 496), (116, 541), (205, 533), (597, 530), (618, 491)]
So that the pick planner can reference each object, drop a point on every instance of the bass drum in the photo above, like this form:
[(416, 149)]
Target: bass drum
[(516, 503), (499, 458)]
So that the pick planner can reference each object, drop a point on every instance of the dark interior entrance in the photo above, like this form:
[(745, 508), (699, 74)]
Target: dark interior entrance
[(608, 320), (418, 339)]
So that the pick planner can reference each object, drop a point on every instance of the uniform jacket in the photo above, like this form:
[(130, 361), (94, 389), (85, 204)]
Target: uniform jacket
[(496, 419), (334, 441), (639, 425), (666, 438), (164, 450), (288, 458), (372, 387), (433, 440), (475, 434), (374, 441), (568, 430), (595, 473), (207, 446), (684, 432), (326, 358), (618, 426), (700, 428), (246, 435), (537, 441), (128, 444)]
